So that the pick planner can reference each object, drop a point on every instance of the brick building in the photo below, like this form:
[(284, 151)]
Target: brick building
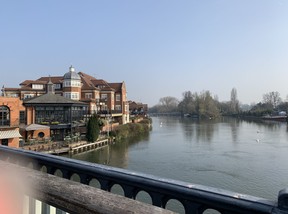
[(137, 108), (10, 118), (102, 97)]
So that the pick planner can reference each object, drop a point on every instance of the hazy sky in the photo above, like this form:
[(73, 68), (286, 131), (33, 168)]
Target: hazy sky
[(158, 47)]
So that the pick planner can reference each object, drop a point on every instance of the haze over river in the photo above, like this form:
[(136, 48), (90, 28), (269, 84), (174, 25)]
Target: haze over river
[(243, 156)]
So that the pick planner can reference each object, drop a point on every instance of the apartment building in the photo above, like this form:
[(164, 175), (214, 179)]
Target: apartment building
[(104, 98)]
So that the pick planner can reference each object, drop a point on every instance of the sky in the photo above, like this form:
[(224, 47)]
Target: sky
[(158, 47)]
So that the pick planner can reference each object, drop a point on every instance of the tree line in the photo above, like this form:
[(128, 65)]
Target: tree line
[(205, 105)]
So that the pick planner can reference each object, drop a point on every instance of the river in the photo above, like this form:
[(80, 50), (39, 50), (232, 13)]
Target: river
[(243, 156)]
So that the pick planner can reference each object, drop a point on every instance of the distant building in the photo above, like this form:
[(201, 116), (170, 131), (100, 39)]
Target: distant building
[(10, 116), (106, 99), (137, 108)]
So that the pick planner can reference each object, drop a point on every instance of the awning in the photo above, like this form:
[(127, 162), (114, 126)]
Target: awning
[(9, 134), (34, 127)]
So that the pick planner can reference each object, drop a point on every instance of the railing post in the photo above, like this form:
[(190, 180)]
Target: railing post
[(283, 200)]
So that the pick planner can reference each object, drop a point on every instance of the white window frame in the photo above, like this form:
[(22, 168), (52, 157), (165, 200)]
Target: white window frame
[(88, 95), (118, 97), (37, 86)]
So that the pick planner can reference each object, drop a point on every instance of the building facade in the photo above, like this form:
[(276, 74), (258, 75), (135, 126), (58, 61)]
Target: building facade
[(64, 116), (10, 118), (106, 99)]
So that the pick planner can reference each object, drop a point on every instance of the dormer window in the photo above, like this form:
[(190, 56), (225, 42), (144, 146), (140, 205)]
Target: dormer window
[(37, 86), (4, 116)]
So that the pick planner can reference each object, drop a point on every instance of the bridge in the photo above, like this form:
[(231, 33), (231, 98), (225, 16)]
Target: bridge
[(69, 196)]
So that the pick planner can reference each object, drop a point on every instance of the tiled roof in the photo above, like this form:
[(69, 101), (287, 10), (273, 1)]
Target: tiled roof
[(51, 99), (55, 79), (86, 76), (116, 86), (98, 82), (86, 81), (27, 82), (12, 89)]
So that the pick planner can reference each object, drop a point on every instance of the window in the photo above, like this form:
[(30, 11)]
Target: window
[(12, 95), (26, 96), (73, 83), (58, 86), (37, 86), (4, 116), (4, 142), (104, 96), (118, 97), (118, 107), (88, 95), (22, 116), (72, 95), (41, 134)]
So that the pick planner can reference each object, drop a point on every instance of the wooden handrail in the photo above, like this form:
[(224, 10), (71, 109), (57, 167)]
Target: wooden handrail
[(75, 197)]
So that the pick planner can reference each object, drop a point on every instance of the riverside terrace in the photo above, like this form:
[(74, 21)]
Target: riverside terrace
[(74, 197)]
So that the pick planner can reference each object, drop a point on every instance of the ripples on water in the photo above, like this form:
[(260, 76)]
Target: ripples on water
[(243, 156)]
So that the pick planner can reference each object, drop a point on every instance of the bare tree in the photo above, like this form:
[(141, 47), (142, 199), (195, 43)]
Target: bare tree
[(272, 98), (168, 104)]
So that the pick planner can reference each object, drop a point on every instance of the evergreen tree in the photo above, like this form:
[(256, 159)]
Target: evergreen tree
[(93, 129)]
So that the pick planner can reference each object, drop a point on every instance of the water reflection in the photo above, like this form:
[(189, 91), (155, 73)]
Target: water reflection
[(198, 130), (115, 154), (220, 153)]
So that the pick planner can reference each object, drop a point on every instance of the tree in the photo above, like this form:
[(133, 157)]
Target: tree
[(93, 128), (261, 109), (234, 102), (168, 104), (188, 103), (201, 104), (206, 105), (272, 98)]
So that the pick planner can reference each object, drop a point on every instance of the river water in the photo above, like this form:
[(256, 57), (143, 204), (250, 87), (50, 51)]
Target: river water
[(242, 156)]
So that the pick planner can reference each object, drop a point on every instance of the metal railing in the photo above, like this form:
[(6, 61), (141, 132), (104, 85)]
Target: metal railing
[(194, 198)]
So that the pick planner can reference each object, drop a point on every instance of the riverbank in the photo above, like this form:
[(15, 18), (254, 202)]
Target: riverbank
[(132, 129), (57, 148)]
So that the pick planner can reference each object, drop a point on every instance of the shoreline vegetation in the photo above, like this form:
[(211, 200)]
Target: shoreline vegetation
[(131, 130), (205, 105)]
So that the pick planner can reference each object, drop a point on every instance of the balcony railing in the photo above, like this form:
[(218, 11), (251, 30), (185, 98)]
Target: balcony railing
[(106, 112), (194, 198)]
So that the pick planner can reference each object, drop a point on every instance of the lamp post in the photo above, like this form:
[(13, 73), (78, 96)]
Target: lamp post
[(107, 114)]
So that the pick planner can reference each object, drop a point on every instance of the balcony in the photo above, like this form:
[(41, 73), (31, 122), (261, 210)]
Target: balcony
[(112, 113)]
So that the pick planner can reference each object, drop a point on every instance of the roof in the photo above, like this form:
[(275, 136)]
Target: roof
[(12, 89), (55, 79), (33, 127), (9, 134), (72, 75), (116, 86), (98, 82), (51, 98), (86, 81)]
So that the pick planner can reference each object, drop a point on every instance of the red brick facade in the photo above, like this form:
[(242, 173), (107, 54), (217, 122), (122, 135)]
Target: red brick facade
[(10, 119)]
